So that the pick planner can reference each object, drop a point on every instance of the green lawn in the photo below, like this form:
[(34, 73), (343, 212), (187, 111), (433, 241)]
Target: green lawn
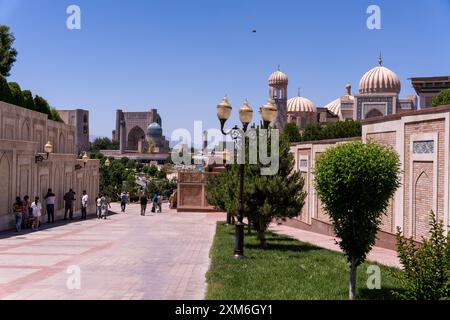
[(287, 269)]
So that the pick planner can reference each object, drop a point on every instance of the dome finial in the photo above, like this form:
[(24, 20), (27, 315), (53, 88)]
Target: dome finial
[(279, 67), (380, 60), (299, 90)]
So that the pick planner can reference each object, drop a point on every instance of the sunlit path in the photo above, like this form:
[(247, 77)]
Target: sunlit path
[(159, 256)]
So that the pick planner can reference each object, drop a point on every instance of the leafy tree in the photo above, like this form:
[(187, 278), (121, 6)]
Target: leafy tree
[(426, 269), (28, 100), (17, 95), (5, 91), (355, 182), (292, 132), (340, 129), (266, 197), (54, 115), (7, 53), (442, 99), (41, 105), (151, 170), (104, 144)]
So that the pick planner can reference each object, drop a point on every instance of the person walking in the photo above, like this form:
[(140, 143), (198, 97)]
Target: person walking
[(17, 210), (154, 201), (26, 212), (104, 206), (144, 201), (50, 200), (37, 212), (98, 202), (123, 201), (84, 205), (159, 204), (69, 198)]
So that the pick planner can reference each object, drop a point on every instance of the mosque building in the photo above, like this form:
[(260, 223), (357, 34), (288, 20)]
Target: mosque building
[(378, 95)]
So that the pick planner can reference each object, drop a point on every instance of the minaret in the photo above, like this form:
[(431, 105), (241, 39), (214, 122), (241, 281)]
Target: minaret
[(278, 83)]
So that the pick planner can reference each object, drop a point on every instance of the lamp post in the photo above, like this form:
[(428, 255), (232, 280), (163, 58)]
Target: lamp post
[(48, 148), (85, 159), (268, 113)]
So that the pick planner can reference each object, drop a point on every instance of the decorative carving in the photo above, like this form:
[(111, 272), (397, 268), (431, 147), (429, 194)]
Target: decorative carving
[(423, 147)]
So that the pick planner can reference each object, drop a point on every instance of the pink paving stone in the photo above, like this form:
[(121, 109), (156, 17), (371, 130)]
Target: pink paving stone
[(125, 257), (379, 255)]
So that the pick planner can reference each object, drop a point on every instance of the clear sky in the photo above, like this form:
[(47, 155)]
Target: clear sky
[(182, 56)]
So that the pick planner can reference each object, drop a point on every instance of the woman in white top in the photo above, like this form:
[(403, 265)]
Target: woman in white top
[(36, 207)]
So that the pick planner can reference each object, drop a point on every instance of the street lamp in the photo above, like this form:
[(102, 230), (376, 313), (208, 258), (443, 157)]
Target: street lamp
[(48, 148), (85, 159), (107, 163), (268, 113)]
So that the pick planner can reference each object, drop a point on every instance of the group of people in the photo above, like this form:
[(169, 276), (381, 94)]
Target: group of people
[(156, 203), (28, 214), (103, 203)]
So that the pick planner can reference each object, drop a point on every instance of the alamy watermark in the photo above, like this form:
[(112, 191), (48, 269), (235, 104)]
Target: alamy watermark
[(74, 279), (73, 21)]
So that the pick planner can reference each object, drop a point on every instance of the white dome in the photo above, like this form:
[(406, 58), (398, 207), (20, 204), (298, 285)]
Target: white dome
[(335, 106), (278, 78), (300, 104), (380, 80)]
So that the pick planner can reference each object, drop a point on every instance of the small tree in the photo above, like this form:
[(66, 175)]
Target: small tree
[(7, 53), (17, 95), (355, 182), (41, 105), (292, 132), (426, 268), (28, 100), (442, 99), (5, 91)]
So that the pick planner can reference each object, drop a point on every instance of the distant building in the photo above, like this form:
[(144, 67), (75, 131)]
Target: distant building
[(80, 120), (140, 132), (427, 88)]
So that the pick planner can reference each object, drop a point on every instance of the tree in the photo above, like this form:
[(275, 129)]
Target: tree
[(7, 53), (17, 95), (103, 144), (426, 268), (340, 129), (5, 91), (292, 132), (28, 100), (41, 105), (355, 182), (266, 197), (442, 99)]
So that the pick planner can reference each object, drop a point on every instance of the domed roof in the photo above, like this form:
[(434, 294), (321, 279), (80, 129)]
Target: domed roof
[(380, 80), (335, 106), (300, 104), (278, 78), (154, 130)]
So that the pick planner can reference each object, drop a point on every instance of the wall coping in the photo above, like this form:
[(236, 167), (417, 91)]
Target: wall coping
[(325, 141), (397, 116)]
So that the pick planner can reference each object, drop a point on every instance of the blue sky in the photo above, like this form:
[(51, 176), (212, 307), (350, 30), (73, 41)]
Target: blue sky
[(181, 57)]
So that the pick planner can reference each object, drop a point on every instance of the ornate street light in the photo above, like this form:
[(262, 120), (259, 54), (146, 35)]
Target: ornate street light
[(48, 148), (85, 159), (107, 163), (269, 114)]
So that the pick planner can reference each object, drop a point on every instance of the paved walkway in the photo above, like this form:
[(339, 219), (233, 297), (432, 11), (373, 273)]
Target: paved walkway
[(383, 256), (162, 256)]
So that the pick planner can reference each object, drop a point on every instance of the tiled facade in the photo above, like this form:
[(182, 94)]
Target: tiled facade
[(23, 134), (421, 138)]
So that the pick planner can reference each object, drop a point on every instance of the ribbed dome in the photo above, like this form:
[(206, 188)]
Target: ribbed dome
[(154, 130), (380, 80), (278, 78), (335, 106), (300, 104)]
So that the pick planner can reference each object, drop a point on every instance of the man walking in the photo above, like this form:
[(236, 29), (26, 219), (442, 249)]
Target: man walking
[(144, 201), (84, 205), (123, 201), (50, 199), (69, 198)]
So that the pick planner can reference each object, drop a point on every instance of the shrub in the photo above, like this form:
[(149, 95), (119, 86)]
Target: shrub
[(443, 98), (426, 268)]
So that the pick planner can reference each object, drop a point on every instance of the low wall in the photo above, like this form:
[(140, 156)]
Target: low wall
[(192, 191)]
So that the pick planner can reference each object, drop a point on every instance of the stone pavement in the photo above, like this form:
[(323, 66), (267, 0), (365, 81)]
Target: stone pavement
[(159, 256), (383, 256)]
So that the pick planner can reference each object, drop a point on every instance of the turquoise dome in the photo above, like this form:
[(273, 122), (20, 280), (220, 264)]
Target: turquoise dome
[(154, 130)]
